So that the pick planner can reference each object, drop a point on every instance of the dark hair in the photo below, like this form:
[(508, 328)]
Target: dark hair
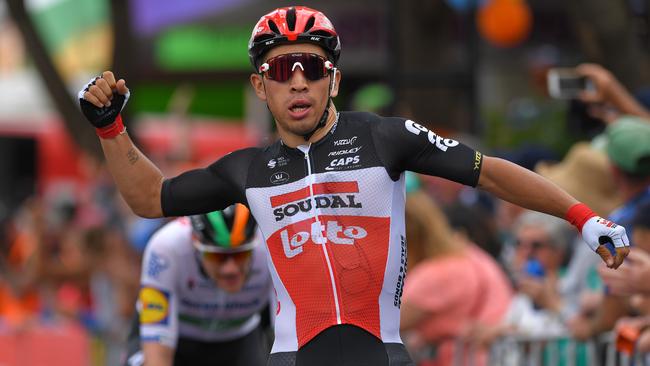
[(642, 216)]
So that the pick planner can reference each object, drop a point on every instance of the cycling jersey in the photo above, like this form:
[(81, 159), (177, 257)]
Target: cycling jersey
[(177, 299), (332, 215)]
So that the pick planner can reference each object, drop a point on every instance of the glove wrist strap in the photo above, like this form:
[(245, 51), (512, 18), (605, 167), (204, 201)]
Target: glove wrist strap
[(112, 130), (578, 214)]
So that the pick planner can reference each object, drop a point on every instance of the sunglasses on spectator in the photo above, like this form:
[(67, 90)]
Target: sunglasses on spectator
[(534, 244), (221, 258), (281, 67)]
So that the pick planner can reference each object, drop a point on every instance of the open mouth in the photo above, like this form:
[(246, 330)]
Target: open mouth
[(299, 106)]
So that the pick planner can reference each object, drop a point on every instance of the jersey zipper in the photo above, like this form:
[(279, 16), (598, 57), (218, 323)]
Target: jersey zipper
[(318, 238)]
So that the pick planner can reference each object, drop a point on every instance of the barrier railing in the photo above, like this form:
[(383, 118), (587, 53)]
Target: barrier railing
[(527, 350)]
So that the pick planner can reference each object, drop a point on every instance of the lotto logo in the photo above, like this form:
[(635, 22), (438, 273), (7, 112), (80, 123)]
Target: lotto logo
[(441, 143), (334, 233)]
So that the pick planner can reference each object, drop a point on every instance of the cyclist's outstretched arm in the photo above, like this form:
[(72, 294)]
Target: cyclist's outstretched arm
[(137, 178), (520, 186), (408, 145)]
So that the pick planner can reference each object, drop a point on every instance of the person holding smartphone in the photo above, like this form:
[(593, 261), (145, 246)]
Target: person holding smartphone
[(596, 86)]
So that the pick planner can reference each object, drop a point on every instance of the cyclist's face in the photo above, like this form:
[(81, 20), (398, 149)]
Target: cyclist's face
[(229, 274), (298, 103)]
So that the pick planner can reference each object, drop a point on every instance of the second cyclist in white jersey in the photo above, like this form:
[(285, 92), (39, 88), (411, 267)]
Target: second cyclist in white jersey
[(204, 284)]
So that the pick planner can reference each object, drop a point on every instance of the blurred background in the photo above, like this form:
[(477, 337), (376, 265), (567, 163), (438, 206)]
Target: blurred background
[(474, 69)]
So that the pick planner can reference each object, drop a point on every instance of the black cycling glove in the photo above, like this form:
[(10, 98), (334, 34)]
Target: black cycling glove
[(102, 117)]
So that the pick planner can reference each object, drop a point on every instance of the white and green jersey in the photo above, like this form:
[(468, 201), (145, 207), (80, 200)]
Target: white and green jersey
[(177, 299)]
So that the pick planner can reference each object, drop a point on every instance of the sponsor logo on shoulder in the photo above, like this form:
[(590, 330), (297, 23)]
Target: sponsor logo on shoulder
[(353, 150), (277, 162), (345, 163), (157, 264), (154, 306), (477, 160), (279, 177), (343, 142), (440, 142)]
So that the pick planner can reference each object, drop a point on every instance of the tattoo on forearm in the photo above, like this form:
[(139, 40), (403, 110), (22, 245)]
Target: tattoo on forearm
[(132, 155)]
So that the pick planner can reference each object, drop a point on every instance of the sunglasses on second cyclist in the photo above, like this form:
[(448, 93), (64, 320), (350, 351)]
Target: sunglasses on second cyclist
[(221, 258), (280, 68)]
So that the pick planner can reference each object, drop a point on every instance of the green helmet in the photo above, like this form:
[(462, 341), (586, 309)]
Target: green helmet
[(228, 231)]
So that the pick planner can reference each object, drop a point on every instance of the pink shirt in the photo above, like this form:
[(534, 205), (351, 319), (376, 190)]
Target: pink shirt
[(457, 290)]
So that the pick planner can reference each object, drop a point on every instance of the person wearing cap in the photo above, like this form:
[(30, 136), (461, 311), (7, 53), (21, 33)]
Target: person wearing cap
[(628, 150), (204, 290), (328, 195)]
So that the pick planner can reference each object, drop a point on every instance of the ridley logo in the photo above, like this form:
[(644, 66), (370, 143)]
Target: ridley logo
[(344, 142), (353, 150), (440, 142), (293, 246), (279, 178)]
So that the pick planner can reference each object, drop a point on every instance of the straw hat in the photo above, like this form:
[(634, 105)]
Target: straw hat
[(585, 174)]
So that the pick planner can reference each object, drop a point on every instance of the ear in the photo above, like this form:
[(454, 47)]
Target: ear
[(258, 86), (336, 83)]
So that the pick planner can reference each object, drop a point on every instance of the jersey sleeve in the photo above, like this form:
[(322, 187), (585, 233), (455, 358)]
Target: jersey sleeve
[(212, 188), (158, 299), (406, 145)]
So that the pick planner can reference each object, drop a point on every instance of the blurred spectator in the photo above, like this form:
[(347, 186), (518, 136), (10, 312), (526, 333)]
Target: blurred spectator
[(634, 274), (629, 153), (434, 311), (633, 281), (585, 174), (477, 225), (539, 266)]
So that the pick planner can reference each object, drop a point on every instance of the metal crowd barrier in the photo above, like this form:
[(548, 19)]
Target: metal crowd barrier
[(562, 350)]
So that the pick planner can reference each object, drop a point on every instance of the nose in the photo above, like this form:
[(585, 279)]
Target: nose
[(229, 266), (298, 80)]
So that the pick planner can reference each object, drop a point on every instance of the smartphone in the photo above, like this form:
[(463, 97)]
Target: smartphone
[(566, 83)]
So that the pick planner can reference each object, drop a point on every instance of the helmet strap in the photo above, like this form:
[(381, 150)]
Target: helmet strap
[(323, 119)]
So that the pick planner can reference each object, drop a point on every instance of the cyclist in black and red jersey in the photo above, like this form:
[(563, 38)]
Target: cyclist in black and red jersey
[(328, 197)]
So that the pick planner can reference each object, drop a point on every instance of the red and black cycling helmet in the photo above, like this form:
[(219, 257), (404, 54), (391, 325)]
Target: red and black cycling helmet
[(298, 24)]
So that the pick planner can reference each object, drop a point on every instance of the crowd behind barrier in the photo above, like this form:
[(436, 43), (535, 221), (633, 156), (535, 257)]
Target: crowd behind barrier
[(481, 272)]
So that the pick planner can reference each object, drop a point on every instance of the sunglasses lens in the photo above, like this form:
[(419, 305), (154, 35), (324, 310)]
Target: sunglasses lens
[(281, 67), (220, 258)]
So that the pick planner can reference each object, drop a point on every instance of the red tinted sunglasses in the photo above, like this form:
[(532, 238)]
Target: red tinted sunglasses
[(220, 258), (280, 68)]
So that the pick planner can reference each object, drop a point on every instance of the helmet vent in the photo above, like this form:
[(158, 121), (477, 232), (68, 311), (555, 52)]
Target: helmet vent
[(321, 33), (274, 27), (310, 23), (291, 18)]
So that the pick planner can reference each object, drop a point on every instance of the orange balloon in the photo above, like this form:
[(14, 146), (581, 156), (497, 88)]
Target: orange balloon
[(504, 23)]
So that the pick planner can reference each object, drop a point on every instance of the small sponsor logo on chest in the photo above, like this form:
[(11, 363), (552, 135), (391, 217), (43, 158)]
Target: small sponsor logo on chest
[(279, 178), (353, 150), (344, 163), (344, 142)]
